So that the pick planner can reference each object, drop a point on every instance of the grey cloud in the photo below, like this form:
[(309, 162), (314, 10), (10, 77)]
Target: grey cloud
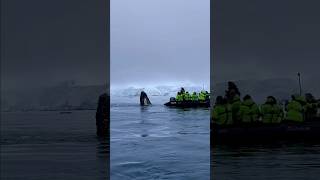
[(154, 42), (266, 39)]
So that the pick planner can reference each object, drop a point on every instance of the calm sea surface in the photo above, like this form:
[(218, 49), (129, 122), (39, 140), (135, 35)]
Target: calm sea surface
[(153, 142), (50, 145), (278, 161)]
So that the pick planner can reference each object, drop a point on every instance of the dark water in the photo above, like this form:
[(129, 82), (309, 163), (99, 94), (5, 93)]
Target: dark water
[(147, 143), (157, 142), (279, 161), (50, 145)]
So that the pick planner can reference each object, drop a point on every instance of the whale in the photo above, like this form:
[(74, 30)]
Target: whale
[(144, 100)]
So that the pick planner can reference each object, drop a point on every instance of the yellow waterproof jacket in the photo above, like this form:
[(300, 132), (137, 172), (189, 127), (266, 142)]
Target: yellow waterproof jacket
[(186, 96), (202, 96), (179, 97), (219, 115), (234, 106), (249, 111), (271, 113), (295, 111), (194, 97)]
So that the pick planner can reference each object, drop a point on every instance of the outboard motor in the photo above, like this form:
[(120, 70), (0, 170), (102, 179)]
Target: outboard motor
[(144, 100)]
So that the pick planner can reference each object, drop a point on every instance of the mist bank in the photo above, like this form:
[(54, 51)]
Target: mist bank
[(69, 96), (64, 96)]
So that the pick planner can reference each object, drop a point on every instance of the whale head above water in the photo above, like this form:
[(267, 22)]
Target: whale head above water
[(144, 100)]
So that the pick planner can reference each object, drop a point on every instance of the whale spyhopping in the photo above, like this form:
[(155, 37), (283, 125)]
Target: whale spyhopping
[(144, 100)]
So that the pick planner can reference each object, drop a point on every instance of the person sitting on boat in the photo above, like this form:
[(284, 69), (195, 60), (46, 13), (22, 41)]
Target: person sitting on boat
[(202, 96), (311, 107), (296, 109), (219, 112), (249, 110), (179, 97), (194, 97), (271, 112), (186, 96), (233, 105), (182, 91)]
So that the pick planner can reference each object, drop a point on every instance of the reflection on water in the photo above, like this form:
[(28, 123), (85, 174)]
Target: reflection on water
[(103, 147), (103, 154), (50, 145), (271, 161)]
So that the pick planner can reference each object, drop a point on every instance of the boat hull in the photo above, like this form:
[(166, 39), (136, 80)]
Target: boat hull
[(259, 133), (188, 104)]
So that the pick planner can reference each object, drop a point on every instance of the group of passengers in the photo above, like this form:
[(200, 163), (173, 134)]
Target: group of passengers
[(185, 96), (230, 110)]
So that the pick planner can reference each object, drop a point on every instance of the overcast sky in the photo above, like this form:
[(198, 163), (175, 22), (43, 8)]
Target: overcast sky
[(261, 39), (156, 41), (159, 42), (46, 42)]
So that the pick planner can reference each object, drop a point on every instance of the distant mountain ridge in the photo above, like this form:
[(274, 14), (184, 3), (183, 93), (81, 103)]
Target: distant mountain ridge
[(70, 96)]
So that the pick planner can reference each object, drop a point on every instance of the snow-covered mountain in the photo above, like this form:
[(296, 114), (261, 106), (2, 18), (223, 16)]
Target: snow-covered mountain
[(152, 91)]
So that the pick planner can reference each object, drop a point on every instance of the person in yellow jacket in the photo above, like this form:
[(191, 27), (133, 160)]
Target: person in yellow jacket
[(194, 97), (233, 106), (271, 112), (202, 96), (296, 109), (179, 97), (219, 112), (249, 110), (187, 96)]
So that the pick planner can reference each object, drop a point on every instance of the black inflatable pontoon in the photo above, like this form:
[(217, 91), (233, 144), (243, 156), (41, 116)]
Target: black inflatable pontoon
[(259, 133), (188, 104)]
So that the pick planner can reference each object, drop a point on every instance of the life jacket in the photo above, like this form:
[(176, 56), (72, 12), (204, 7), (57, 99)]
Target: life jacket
[(179, 97), (220, 115), (234, 106), (187, 97), (271, 113), (183, 96), (249, 111), (295, 111), (202, 96), (194, 97)]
